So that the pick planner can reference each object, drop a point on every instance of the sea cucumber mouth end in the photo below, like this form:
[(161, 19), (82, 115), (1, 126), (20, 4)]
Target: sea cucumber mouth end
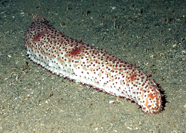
[(37, 17)]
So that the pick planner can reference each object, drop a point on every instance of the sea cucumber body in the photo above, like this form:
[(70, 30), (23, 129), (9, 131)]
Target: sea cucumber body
[(69, 58)]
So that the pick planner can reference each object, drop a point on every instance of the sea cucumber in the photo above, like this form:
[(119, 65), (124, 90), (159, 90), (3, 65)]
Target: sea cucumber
[(82, 63)]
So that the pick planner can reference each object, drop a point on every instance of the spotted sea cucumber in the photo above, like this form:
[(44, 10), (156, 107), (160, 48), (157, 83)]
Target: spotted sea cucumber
[(69, 58)]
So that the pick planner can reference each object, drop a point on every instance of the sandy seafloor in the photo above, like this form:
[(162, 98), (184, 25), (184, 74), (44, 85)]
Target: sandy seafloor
[(150, 34)]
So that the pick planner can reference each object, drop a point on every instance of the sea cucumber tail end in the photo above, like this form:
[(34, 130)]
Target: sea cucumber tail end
[(152, 102)]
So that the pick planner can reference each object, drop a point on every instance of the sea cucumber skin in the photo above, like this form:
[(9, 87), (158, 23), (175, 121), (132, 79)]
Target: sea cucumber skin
[(69, 58)]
